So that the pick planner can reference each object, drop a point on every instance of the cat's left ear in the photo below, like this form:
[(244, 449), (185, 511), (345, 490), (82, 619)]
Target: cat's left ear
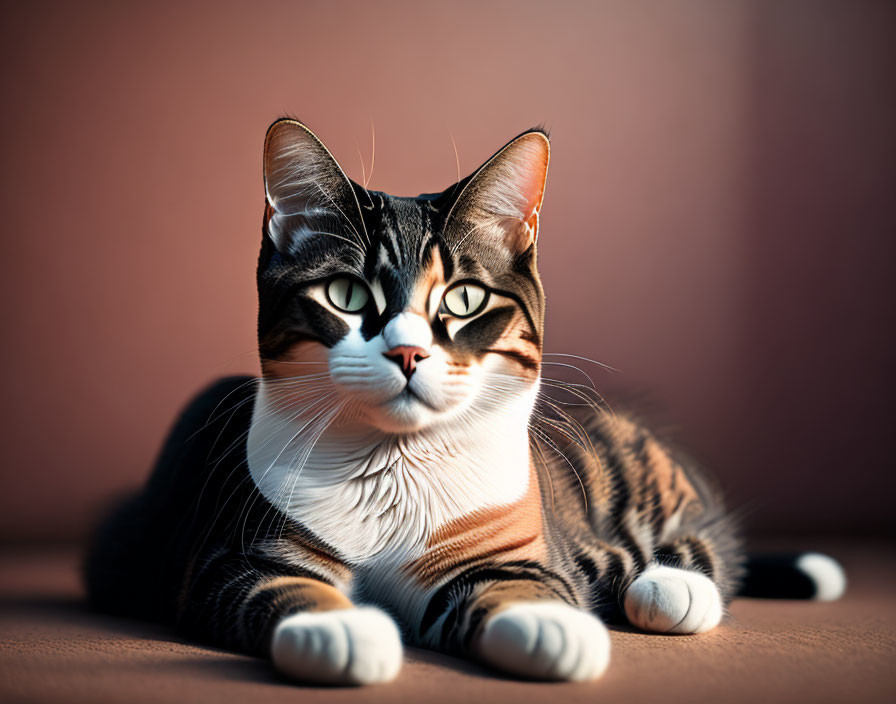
[(502, 199)]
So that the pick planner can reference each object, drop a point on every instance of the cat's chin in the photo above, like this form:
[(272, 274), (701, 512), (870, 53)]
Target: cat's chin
[(406, 413)]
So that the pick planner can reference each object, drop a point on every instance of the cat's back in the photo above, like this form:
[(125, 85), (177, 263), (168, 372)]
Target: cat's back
[(617, 474)]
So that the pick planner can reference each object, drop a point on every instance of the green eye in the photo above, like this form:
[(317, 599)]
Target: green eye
[(465, 299), (348, 295)]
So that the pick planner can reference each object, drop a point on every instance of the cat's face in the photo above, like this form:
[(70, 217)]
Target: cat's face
[(409, 312)]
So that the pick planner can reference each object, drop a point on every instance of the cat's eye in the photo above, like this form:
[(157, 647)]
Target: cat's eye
[(465, 299), (347, 294)]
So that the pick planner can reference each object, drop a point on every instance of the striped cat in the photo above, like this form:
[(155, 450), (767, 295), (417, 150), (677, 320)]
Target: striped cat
[(394, 475)]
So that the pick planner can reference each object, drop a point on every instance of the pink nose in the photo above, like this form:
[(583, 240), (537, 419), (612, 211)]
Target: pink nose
[(406, 357)]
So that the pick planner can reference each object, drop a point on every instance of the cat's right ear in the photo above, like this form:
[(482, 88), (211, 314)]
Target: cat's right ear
[(307, 192)]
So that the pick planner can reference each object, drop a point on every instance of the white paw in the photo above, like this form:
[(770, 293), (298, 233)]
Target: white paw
[(348, 646), (671, 600), (546, 641)]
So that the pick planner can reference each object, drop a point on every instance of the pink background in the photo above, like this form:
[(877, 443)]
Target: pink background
[(719, 221)]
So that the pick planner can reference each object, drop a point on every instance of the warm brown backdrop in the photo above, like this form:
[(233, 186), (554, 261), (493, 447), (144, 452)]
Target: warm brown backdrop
[(719, 223)]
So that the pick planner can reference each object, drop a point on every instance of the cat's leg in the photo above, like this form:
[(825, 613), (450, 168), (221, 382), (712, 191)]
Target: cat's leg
[(672, 524), (679, 591), (519, 618), (310, 629)]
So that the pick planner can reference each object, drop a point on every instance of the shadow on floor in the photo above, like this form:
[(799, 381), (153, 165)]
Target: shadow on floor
[(72, 617)]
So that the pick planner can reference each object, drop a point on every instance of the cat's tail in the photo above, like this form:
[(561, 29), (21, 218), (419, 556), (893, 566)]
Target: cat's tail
[(807, 575)]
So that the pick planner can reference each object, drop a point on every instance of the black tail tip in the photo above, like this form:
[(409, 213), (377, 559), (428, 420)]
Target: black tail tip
[(808, 575)]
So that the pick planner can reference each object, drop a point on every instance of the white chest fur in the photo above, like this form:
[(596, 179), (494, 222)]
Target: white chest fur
[(375, 498)]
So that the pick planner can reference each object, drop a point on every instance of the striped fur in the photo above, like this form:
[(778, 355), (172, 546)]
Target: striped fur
[(447, 494)]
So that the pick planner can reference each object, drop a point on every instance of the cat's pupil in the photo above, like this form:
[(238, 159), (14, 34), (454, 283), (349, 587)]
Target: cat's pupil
[(348, 293), (466, 298)]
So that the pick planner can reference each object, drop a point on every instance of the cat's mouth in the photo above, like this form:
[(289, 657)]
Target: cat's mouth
[(407, 396), (406, 412)]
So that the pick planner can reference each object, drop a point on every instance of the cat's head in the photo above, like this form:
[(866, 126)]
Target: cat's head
[(410, 312)]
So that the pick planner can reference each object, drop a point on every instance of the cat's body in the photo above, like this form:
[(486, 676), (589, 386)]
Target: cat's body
[(396, 453)]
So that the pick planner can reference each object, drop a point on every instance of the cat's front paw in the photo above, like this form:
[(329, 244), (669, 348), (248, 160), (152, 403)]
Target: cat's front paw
[(670, 600), (545, 641), (348, 646)]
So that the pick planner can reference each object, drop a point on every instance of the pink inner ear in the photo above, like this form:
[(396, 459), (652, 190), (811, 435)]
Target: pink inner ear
[(532, 185), (527, 171), (504, 197), (527, 168)]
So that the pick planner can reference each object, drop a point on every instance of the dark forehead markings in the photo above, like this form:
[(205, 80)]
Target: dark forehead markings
[(386, 243), (396, 287), (424, 249), (400, 228), (394, 234), (374, 217), (408, 230)]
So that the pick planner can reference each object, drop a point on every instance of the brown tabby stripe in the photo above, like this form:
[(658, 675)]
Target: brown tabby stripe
[(689, 552), (498, 597), (506, 533), (524, 360), (237, 598), (607, 570), (300, 548), (643, 486), (273, 598), (471, 595)]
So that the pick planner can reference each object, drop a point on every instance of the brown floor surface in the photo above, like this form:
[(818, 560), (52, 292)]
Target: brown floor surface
[(51, 649)]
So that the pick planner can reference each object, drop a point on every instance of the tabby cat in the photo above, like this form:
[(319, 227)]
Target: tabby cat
[(395, 475)]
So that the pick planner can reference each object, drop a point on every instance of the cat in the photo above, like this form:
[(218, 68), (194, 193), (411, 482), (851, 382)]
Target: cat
[(397, 476)]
